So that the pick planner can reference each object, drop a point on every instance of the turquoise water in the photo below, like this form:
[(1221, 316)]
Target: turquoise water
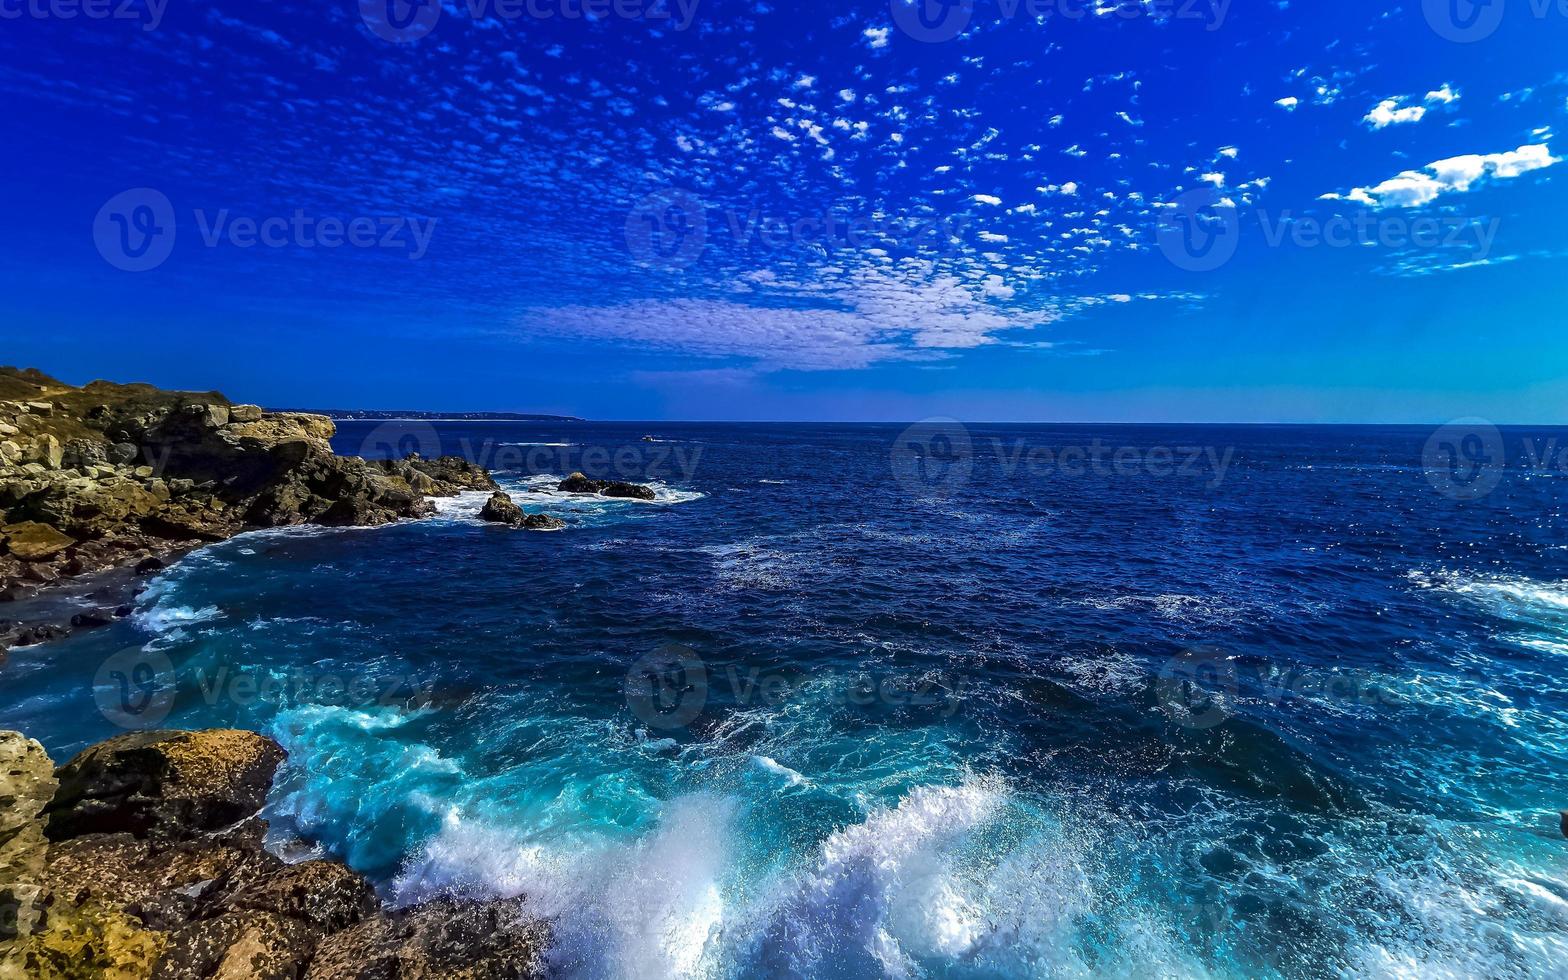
[(1298, 715)]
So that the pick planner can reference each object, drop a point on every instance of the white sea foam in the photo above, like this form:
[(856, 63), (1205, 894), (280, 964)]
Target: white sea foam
[(790, 776), (161, 620), (646, 908), (1513, 597)]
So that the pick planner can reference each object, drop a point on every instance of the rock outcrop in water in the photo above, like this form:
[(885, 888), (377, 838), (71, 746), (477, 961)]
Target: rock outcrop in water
[(142, 858), (112, 474), (578, 483), (502, 509)]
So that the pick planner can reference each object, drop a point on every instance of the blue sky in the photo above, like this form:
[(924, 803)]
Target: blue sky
[(1199, 211)]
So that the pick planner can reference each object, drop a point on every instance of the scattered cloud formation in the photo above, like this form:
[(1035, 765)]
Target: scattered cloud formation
[(1414, 188)]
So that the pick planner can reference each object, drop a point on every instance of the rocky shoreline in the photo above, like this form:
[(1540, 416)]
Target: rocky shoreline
[(129, 476), (142, 857)]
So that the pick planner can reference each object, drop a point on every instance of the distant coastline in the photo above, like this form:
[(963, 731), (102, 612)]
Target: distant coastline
[(340, 414)]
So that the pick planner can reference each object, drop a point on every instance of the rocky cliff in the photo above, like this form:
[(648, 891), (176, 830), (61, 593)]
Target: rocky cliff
[(117, 474), (142, 858)]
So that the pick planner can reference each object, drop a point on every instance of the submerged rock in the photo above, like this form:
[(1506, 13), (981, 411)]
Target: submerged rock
[(578, 483)]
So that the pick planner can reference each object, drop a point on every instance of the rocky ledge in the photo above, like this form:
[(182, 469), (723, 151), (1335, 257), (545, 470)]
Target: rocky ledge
[(110, 475), (142, 857)]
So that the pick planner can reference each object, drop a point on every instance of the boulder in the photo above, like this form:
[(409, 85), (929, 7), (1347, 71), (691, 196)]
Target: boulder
[(33, 541), (542, 522), (501, 509), (211, 416), (47, 452), (447, 939), (164, 784), (578, 483), (244, 413)]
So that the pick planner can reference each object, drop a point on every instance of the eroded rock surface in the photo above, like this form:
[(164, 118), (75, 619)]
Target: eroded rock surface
[(142, 858)]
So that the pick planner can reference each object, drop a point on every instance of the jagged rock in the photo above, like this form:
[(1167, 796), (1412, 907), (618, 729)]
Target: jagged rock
[(83, 943), (244, 413), (211, 416), (163, 784), (501, 509), (445, 939), (578, 483), (161, 881), (47, 451), (34, 541), (86, 452), (248, 945), (89, 509), (121, 453), (26, 785), (32, 634), (322, 894)]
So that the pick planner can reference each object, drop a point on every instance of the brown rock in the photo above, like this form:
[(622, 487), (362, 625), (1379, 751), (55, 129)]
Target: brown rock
[(164, 784), (246, 945), (450, 940), (323, 894), (34, 541)]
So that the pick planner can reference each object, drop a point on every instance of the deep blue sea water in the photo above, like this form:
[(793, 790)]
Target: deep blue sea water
[(854, 701)]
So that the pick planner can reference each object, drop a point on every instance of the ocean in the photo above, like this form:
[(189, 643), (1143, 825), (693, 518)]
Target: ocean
[(933, 701)]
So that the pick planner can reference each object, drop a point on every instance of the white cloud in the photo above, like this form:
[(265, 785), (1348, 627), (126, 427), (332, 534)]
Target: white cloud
[(988, 199), (1288, 103), (1389, 112), (876, 36), (870, 316), (1414, 188), (1444, 95)]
